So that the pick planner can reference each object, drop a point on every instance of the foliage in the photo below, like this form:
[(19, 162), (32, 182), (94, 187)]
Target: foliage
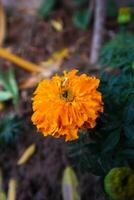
[(10, 129), (46, 7), (119, 52), (8, 81), (80, 2), (82, 18), (112, 8), (111, 142), (124, 15)]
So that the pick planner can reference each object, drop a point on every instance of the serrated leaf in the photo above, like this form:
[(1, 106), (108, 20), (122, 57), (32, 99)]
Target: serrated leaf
[(46, 7), (80, 2), (10, 129), (129, 143), (128, 153), (128, 114), (10, 85), (13, 85), (81, 18), (129, 132), (112, 8), (119, 52), (5, 95), (111, 141), (70, 185)]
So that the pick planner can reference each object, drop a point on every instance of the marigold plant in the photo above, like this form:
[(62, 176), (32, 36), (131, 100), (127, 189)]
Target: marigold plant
[(64, 104)]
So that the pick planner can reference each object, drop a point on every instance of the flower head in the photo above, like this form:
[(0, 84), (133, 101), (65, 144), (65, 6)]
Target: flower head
[(66, 103), (119, 183)]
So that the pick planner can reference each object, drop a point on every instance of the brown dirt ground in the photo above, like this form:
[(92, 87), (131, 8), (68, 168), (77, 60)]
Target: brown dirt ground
[(40, 178)]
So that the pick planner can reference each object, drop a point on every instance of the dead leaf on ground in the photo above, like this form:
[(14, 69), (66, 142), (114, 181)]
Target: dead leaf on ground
[(30, 81), (70, 185), (27, 154), (2, 106), (56, 59), (57, 25), (49, 67), (12, 189)]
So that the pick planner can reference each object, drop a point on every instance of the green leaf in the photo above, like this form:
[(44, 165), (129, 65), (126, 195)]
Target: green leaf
[(5, 95), (10, 85), (129, 143), (128, 114), (46, 7), (129, 132), (111, 141), (10, 129), (80, 2), (13, 85), (128, 153), (119, 52), (112, 8), (70, 185), (82, 18)]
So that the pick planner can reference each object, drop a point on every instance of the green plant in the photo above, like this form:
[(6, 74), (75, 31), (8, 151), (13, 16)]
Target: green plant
[(119, 52), (10, 129), (80, 2), (112, 9), (82, 18), (46, 7), (111, 142), (9, 84)]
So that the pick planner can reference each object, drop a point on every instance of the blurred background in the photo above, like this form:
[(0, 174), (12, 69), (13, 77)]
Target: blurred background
[(38, 39)]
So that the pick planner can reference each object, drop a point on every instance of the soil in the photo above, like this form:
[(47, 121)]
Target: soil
[(40, 178)]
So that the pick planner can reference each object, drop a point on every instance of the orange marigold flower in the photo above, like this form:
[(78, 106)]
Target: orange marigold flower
[(64, 104)]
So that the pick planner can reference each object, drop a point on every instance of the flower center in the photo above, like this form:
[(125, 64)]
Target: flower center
[(66, 95)]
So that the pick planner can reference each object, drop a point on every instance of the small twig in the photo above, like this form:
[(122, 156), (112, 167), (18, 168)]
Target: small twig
[(2, 24), (100, 13), (19, 61)]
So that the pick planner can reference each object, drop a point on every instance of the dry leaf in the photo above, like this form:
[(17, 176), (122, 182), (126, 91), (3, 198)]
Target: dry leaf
[(56, 59), (2, 106), (2, 195), (2, 25), (30, 82), (57, 25), (70, 185), (12, 190), (27, 154)]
